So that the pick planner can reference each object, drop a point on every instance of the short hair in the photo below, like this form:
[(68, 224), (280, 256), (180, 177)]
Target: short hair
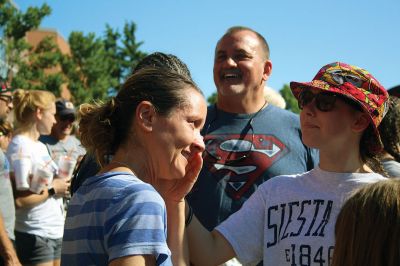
[(367, 229), (105, 126), (26, 102), (264, 43)]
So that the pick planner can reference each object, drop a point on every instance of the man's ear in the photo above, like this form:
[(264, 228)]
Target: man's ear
[(361, 122), (145, 115), (267, 70)]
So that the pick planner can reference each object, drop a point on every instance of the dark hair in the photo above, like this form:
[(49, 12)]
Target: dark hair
[(165, 61), (5, 128), (368, 140), (367, 229), (389, 129), (104, 127), (264, 43)]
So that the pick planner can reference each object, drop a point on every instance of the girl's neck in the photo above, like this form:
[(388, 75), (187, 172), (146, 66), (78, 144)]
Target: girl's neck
[(342, 163)]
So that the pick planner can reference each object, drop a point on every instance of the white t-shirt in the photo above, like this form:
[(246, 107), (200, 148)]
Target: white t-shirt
[(290, 220), (47, 218)]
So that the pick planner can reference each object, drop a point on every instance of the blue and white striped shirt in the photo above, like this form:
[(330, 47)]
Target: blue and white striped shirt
[(113, 215)]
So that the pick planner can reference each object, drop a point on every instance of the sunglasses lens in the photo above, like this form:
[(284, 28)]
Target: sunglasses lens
[(305, 98), (325, 102)]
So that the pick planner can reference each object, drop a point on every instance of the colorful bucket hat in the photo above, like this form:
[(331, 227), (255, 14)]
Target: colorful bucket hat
[(354, 83)]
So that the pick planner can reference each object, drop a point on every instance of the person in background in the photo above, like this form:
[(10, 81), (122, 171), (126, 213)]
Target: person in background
[(88, 166), (290, 219), (389, 130), (6, 130), (60, 142), (39, 214), (248, 140), (273, 97), (7, 208), (367, 228), (152, 128)]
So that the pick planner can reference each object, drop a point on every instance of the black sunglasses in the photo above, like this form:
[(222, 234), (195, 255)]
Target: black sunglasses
[(6, 98), (324, 101)]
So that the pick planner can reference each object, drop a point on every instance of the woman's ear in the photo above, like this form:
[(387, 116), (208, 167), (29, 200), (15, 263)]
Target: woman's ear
[(38, 114), (361, 122), (145, 115)]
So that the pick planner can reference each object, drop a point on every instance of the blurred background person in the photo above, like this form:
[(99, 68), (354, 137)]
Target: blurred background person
[(7, 208), (39, 216), (389, 129), (5, 134), (61, 141), (273, 97), (367, 228), (395, 91)]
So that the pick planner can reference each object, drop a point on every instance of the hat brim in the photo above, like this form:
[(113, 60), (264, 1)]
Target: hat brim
[(319, 85)]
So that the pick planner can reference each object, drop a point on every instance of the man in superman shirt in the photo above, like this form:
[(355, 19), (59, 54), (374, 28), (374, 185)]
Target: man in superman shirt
[(248, 141)]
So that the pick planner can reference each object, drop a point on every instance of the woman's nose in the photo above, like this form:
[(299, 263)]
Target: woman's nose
[(198, 144)]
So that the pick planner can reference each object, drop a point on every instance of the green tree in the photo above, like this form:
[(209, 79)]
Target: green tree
[(87, 67), (291, 101), (98, 65), (15, 25), (32, 73), (212, 99)]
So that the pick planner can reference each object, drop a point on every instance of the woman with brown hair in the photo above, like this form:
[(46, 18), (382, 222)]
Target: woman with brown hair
[(152, 129)]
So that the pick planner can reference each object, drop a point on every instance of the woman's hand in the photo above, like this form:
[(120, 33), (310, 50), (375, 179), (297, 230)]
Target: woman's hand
[(176, 190)]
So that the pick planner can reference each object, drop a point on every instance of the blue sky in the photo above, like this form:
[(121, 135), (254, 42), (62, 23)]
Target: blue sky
[(303, 35)]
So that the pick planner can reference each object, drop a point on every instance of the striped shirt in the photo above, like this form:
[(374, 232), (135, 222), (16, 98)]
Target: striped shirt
[(113, 215)]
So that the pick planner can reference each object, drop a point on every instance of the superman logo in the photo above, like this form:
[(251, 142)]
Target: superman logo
[(241, 160)]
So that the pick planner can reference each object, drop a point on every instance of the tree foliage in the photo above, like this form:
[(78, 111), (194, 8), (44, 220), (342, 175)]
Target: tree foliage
[(212, 99), (15, 24), (95, 67), (291, 101)]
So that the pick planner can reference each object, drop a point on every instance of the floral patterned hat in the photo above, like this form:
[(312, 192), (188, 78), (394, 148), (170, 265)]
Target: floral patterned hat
[(354, 83)]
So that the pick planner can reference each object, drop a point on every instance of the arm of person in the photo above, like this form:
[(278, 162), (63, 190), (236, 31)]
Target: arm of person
[(6, 247), (138, 260), (205, 247), (177, 239), (28, 199), (174, 193)]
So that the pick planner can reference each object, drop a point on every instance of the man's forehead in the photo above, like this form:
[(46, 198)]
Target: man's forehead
[(242, 40)]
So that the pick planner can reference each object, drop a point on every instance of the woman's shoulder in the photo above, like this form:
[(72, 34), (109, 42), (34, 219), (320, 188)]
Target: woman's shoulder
[(122, 185)]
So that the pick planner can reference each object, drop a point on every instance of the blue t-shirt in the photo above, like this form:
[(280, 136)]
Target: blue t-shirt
[(242, 152), (113, 215)]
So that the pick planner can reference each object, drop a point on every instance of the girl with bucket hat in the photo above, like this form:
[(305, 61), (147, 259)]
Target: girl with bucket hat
[(290, 219)]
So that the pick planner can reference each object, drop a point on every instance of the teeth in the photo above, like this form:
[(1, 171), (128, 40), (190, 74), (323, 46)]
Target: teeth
[(231, 76)]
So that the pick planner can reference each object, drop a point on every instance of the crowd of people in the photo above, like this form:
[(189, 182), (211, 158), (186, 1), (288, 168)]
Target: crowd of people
[(160, 178)]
